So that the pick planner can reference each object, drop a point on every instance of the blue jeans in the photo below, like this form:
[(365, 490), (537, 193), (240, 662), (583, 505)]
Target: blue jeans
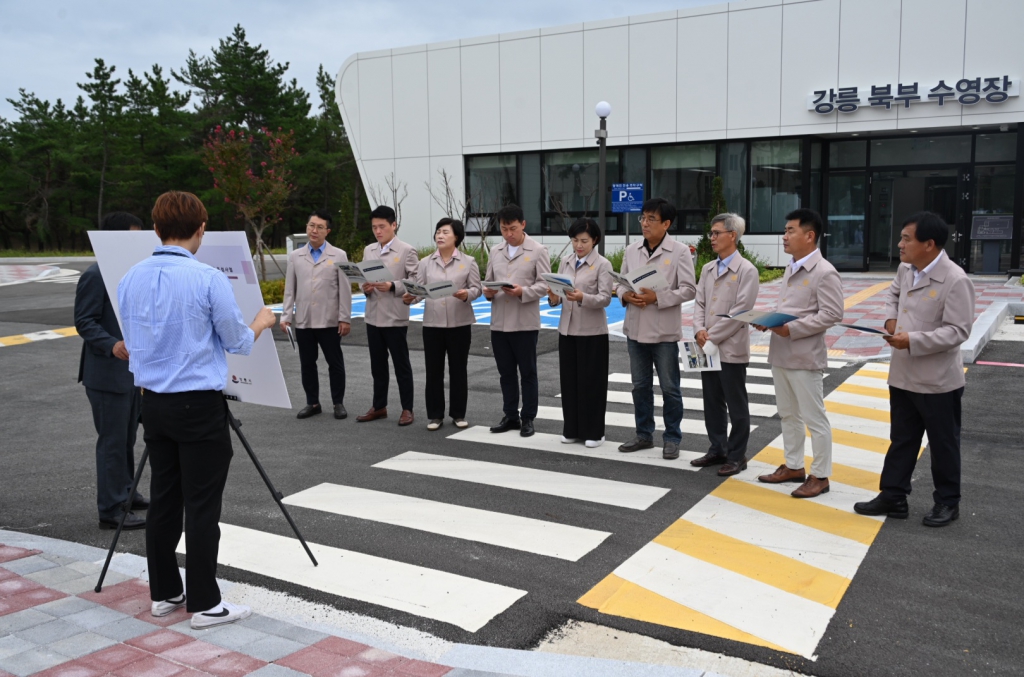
[(665, 358)]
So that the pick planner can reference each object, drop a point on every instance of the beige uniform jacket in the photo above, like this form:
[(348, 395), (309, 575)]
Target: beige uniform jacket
[(814, 293), (317, 294), (509, 313), (662, 322), (937, 313), (727, 294), (386, 308), (449, 311), (593, 278)]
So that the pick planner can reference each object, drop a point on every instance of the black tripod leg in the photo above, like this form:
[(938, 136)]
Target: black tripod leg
[(124, 514), (237, 427)]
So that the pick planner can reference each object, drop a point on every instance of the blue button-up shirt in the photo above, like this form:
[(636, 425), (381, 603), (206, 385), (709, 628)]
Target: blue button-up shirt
[(723, 264), (316, 253), (178, 317)]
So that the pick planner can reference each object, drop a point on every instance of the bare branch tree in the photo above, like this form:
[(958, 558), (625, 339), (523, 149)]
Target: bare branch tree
[(392, 195)]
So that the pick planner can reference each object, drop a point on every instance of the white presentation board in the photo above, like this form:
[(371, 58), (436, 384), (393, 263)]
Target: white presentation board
[(255, 378)]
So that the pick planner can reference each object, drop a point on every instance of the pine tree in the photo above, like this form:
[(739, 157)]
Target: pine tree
[(104, 116)]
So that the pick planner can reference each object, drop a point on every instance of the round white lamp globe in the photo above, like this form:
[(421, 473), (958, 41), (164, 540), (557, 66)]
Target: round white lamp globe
[(603, 109)]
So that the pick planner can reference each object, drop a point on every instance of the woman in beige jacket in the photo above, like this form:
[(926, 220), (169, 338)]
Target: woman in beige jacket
[(583, 336), (448, 322)]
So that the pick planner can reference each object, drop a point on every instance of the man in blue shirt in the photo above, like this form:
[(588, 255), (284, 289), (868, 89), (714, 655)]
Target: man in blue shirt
[(179, 316)]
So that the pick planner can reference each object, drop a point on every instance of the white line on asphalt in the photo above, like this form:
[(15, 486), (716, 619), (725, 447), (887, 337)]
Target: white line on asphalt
[(863, 426), (591, 489), (691, 403), (858, 400), (762, 610), (867, 382), (472, 524), (690, 426), (461, 601), (553, 443), (696, 384)]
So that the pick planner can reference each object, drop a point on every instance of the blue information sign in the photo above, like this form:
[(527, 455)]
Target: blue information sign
[(627, 197)]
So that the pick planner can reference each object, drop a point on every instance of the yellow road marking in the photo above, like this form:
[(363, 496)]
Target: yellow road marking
[(859, 440), (851, 301), (854, 410), (21, 339), (845, 474), (880, 393), (814, 515), (66, 331), (882, 375), (770, 568)]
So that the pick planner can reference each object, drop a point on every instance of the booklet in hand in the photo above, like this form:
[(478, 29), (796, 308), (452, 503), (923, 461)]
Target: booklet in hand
[(761, 318), (695, 359), (869, 330), (431, 290), (498, 284), (559, 284), (648, 277), (371, 270)]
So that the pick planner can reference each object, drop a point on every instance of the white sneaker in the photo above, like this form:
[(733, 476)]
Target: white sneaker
[(594, 444), (461, 423), (434, 424), (568, 440), (160, 609), (225, 612)]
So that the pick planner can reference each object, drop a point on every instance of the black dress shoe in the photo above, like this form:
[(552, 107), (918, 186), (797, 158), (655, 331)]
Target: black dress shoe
[(309, 410), (729, 469), (941, 515), (339, 411), (708, 459), (140, 502), (636, 444), (526, 430), (131, 522), (506, 425), (879, 505)]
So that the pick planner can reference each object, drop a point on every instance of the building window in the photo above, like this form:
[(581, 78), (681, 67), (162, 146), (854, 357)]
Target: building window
[(683, 175), (993, 197), (531, 199), (775, 183), (733, 168), (996, 148), (923, 150), (490, 185), (570, 186), (846, 154)]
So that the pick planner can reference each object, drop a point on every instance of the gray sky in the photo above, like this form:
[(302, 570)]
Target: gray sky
[(46, 46)]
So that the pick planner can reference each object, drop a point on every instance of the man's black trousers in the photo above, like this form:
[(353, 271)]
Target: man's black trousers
[(517, 351), (725, 400), (189, 453), (583, 372), (116, 416), (329, 341), (913, 414), (384, 340), (453, 342)]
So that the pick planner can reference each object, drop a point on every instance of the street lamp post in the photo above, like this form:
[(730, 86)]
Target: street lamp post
[(603, 110)]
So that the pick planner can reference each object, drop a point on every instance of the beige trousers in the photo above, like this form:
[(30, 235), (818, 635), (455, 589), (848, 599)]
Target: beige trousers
[(801, 402)]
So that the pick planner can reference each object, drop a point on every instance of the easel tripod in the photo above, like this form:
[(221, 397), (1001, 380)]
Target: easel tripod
[(236, 425)]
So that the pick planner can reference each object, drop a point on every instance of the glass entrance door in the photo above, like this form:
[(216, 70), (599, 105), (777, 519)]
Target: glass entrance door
[(895, 195), (845, 244)]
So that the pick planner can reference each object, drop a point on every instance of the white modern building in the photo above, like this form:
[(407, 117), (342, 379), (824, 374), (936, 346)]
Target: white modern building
[(865, 110)]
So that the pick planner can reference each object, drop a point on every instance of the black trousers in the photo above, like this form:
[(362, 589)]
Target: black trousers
[(517, 351), (912, 415), (116, 417), (384, 340), (454, 343), (189, 453), (329, 342), (583, 372), (725, 401)]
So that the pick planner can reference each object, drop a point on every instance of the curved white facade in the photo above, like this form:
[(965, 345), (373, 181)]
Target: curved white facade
[(722, 71)]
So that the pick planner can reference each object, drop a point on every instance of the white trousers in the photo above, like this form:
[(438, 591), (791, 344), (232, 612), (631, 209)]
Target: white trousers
[(801, 403)]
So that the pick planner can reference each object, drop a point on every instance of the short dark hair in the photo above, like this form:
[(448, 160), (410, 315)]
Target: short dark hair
[(120, 221), (458, 229), (178, 215), (809, 220), (383, 212), (929, 226), (510, 213), (588, 226), (665, 210), (325, 215)]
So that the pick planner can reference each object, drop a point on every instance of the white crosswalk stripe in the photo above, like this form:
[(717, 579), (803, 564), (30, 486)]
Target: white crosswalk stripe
[(689, 426), (691, 403), (696, 384)]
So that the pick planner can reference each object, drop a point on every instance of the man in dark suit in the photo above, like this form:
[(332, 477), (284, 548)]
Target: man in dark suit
[(116, 402)]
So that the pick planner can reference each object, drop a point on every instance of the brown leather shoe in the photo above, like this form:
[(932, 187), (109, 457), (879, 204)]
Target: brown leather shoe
[(708, 459), (373, 415), (811, 488), (406, 418), (783, 474), (732, 469)]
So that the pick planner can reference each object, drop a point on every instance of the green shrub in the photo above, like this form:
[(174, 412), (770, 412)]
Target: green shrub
[(615, 258), (273, 291)]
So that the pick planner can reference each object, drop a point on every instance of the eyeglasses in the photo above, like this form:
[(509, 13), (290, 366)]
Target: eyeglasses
[(643, 218), (715, 233), (316, 226)]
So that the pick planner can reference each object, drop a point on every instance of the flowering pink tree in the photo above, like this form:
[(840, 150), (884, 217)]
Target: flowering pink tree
[(252, 170)]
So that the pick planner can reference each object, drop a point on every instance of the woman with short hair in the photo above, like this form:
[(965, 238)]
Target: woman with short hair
[(583, 335), (448, 322)]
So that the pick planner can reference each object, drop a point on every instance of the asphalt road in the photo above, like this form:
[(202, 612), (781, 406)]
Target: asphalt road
[(924, 601)]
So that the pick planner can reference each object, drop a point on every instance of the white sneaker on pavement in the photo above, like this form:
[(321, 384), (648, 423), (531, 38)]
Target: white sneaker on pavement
[(160, 609), (594, 444), (568, 440), (225, 612), (461, 423)]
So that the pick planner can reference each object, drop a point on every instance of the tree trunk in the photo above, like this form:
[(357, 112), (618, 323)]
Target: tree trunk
[(258, 232), (355, 202), (103, 176)]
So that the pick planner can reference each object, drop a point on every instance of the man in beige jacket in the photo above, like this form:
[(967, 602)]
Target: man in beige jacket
[(387, 316), (515, 317), (728, 285), (930, 312), (812, 291), (653, 326), (318, 300)]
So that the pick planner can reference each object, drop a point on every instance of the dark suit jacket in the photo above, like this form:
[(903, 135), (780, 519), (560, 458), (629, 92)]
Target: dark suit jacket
[(98, 327)]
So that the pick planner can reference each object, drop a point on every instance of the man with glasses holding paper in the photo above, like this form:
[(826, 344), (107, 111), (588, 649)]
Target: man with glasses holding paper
[(318, 301), (656, 278)]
